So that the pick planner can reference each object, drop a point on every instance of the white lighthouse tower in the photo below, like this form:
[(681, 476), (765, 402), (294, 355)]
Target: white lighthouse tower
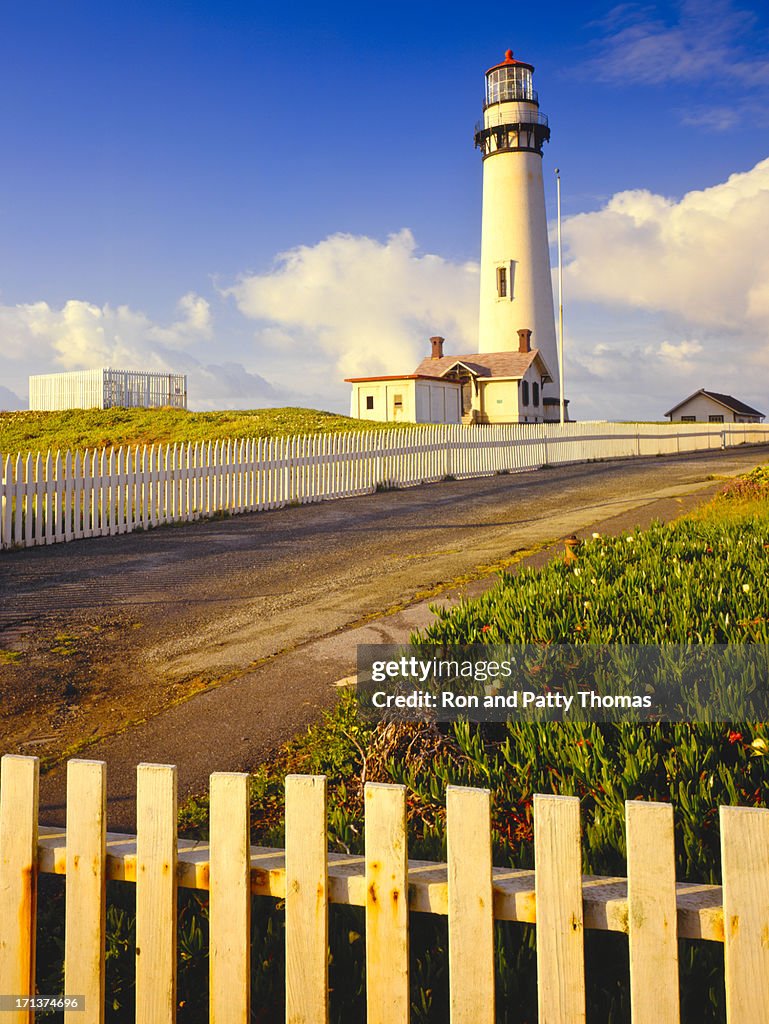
[(516, 286)]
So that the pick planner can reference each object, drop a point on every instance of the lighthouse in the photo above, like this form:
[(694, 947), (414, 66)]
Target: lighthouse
[(513, 376), (516, 285)]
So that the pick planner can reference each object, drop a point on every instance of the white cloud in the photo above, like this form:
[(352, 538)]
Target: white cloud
[(230, 386), (665, 296), (80, 334), (711, 44), (194, 323), (702, 258), (680, 353), (714, 117), (39, 338), (354, 306), (706, 42)]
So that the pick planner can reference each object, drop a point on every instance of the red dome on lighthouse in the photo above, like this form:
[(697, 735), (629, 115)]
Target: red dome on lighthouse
[(510, 61)]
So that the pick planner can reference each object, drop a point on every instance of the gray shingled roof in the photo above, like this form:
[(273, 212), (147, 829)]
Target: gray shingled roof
[(484, 364)]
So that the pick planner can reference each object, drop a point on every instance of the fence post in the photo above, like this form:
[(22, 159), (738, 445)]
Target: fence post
[(73, 493), (230, 900), (86, 892), (387, 937), (745, 873), (19, 781), (471, 906), (155, 894), (558, 883), (651, 874), (306, 900), (6, 539)]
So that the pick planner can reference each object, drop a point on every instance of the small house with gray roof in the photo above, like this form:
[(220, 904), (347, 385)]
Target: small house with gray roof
[(712, 407), (478, 387)]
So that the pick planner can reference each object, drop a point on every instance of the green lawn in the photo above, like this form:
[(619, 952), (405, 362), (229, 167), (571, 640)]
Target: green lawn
[(102, 428)]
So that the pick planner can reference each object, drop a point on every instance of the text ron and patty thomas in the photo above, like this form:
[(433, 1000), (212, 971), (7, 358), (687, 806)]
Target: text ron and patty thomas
[(523, 699), (567, 682)]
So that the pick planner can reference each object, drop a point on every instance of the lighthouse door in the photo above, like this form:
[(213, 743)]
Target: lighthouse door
[(467, 396)]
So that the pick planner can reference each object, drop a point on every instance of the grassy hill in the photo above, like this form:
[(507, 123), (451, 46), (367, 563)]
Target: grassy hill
[(102, 428)]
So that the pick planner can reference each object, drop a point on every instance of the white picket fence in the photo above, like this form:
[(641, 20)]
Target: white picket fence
[(47, 499)]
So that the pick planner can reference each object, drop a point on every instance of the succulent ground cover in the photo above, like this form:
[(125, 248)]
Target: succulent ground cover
[(701, 580)]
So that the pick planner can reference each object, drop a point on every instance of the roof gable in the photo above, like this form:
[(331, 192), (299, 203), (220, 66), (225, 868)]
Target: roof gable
[(484, 364), (727, 401)]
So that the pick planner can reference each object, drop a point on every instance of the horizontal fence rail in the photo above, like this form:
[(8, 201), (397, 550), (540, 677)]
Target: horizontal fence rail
[(48, 499), (649, 906)]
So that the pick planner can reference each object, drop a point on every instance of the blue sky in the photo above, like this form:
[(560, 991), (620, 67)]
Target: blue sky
[(272, 197)]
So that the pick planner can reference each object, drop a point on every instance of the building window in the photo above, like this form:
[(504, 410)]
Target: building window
[(716, 419), (535, 389), (525, 392), (688, 419), (369, 401), (502, 282), (398, 401)]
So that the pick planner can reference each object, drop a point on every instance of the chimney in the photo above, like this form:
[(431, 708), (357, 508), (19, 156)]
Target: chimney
[(524, 340), (437, 344)]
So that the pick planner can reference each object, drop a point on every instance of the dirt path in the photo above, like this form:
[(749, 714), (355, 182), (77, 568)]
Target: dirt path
[(207, 645)]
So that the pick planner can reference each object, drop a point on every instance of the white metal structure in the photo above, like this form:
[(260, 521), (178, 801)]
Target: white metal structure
[(105, 388), (516, 286), (46, 499)]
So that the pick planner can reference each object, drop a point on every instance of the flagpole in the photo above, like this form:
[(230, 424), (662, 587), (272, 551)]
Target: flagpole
[(561, 403)]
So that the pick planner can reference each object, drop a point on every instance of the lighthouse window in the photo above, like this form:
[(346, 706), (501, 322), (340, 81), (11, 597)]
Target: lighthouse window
[(509, 83), (501, 282), (535, 389), (369, 401), (525, 392)]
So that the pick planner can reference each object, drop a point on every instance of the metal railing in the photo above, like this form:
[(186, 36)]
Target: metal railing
[(524, 118)]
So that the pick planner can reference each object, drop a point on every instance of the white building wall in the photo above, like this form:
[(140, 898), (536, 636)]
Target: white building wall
[(438, 402), (702, 408), (406, 400), (360, 395), (502, 399), (499, 401), (383, 396), (532, 413)]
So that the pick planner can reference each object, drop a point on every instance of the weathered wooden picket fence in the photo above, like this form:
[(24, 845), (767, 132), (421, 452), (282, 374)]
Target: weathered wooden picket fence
[(47, 498), (649, 906)]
